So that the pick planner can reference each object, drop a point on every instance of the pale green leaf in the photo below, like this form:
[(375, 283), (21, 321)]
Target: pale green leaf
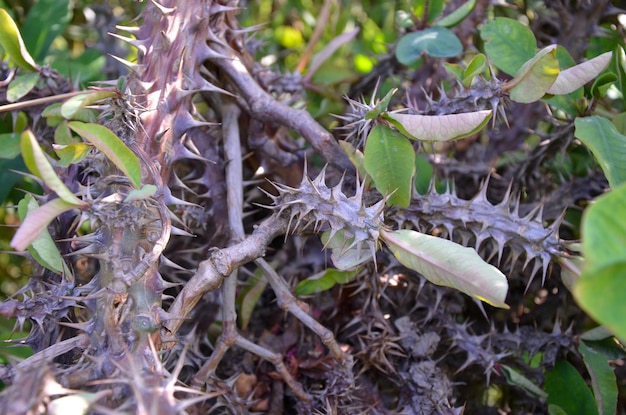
[(112, 147), (37, 162), (390, 161), (37, 221), (603, 381), (13, 44), (571, 79), (70, 107), (508, 43), (146, 191), (477, 66), (344, 256), (444, 262), (43, 249), (21, 85), (9, 145), (381, 106), (249, 297), (533, 80), (440, 127), (607, 145), (71, 153)]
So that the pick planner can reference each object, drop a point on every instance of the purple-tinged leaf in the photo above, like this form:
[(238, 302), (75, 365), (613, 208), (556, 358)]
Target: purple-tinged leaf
[(37, 221), (444, 262), (112, 147), (440, 127), (571, 79), (37, 162)]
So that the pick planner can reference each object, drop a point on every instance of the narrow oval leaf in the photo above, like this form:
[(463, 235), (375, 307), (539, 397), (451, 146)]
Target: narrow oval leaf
[(146, 191), (13, 44), (43, 249), (607, 145), (508, 43), (444, 262), (475, 68), (345, 256), (515, 378), (437, 42), (533, 80), (21, 85), (457, 15), (324, 281), (571, 79), (381, 106), (390, 160), (37, 162), (45, 20), (112, 147), (9, 145), (603, 381), (440, 127), (70, 107), (37, 221), (71, 153), (567, 389)]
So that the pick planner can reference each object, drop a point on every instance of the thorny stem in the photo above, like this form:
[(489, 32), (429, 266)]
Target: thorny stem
[(264, 107)]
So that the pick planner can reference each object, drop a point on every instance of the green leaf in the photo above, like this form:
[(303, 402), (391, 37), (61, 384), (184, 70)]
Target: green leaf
[(607, 145), (70, 107), (603, 379), (342, 257), (9, 177), (9, 146), (435, 8), (515, 378), (508, 43), (533, 80), (619, 121), (599, 289), (571, 79), (556, 410), (568, 390), (381, 106), (21, 85), (458, 15), (146, 191), (46, 20), (112, 147), (440, 127), (390, 160), (454, 69), (324, 281), (249, 297), (37, 221), (444, 262), (13, 44), (437, 42), (477, 66), (356, 157), (71, 153), (37, 162), (602, 84), (43, 249)]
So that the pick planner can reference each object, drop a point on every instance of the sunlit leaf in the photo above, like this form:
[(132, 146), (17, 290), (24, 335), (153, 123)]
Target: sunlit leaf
[(390, 161), (13, 44), (437, 42), (440, 127), (70, 107), (43, 249), (533, 80), (602, 84), (21, 85), (508, 43), (146, 191), (571, 79), (114, 148), (71, 153), (38, 164), (444, 262), (324, 281), (603, 381), (37, 221), (607, 145), (458, 15)]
